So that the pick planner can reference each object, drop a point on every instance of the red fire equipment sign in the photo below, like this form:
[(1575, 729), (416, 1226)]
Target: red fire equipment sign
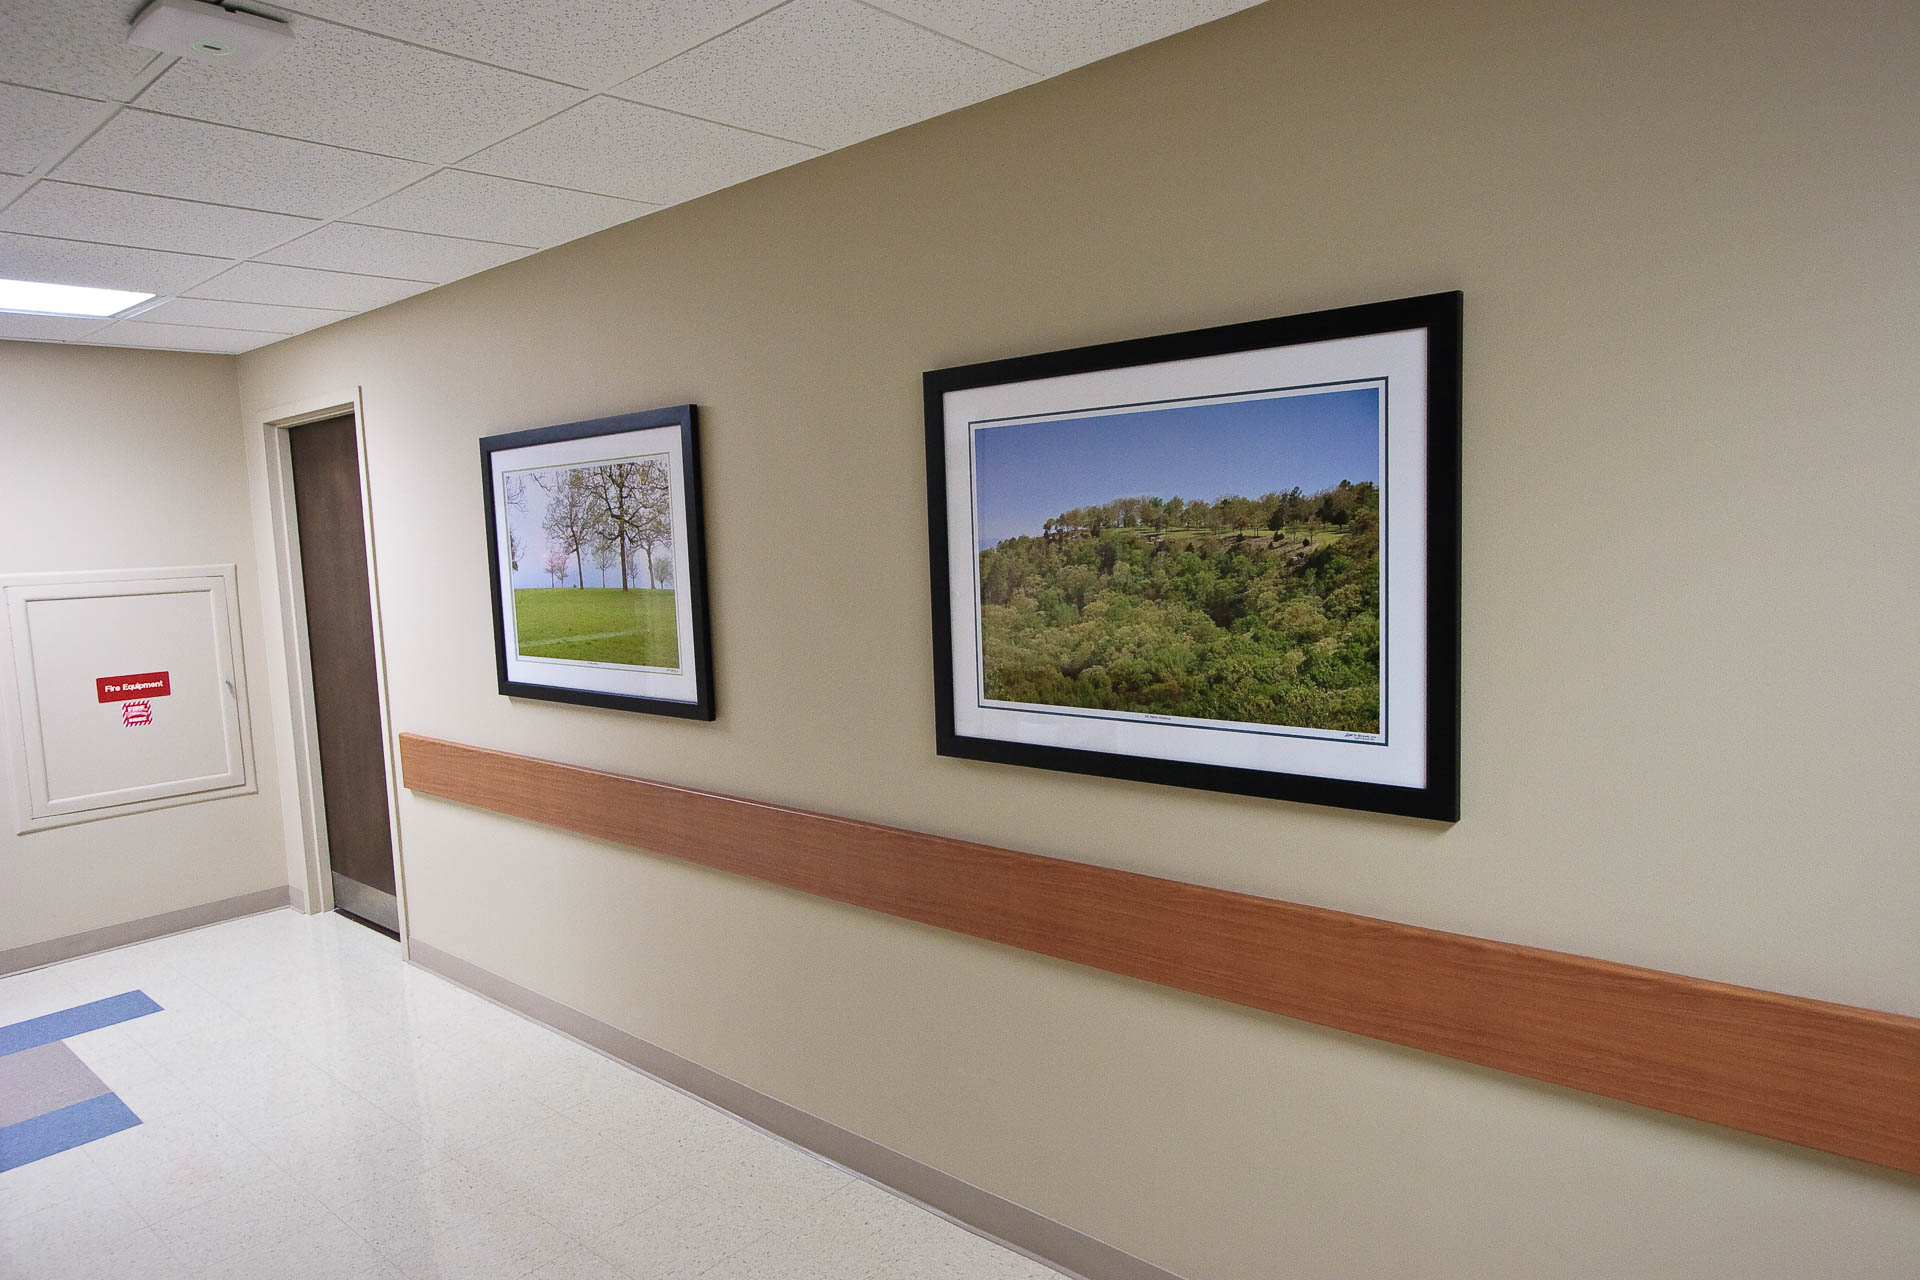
[(148, 684)]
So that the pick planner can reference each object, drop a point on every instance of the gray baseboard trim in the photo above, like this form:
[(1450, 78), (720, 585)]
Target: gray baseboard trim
[(53, 950), (998, 1219)]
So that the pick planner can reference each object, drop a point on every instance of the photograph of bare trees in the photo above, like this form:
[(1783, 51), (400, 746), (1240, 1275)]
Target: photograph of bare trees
[(590, 551), (598, 563)]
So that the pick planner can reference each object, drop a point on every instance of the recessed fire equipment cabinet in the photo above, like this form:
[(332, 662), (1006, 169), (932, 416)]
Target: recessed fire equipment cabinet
[(123, 691)]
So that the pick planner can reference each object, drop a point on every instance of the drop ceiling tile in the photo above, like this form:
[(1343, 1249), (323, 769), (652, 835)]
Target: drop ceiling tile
[(177, 337), (148, 222), (165, 156), (103, 266), (483, 207), (380, 251), (46, 328), (624, 149), (36, 126), (350, 89), (827, 72), (217, 314), (584, 42), (1062, 34), (71, 46), (299, 287)]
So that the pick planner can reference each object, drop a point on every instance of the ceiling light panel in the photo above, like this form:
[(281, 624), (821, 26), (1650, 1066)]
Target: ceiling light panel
[(624, 149), (582, 42), (176, 337), (1062, 34), (71, 46), (36, 127), (349, 89), (258, 317), (67, 299), (101, 266), (299, 287), (165, 156), (482, 207), (825, 72), (381, 251), (147, 222)]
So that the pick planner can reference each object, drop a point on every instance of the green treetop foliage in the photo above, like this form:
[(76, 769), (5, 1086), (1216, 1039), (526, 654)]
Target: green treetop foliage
[(1261, 610)]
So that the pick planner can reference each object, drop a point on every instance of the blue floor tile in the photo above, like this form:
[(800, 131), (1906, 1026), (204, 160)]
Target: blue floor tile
[(35, 1032), (61, 1130)]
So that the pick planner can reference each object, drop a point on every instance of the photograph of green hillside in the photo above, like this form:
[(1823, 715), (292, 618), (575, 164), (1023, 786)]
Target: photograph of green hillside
[(1215, 562), (590, 551)]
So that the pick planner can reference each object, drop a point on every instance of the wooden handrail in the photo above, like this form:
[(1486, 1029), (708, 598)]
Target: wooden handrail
[(1828, 1076)]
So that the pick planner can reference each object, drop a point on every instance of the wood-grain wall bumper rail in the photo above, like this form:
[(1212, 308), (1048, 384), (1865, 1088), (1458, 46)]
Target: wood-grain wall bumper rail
[(1828, 1076)]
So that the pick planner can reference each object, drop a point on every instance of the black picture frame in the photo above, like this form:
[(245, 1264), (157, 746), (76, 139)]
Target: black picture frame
[(566, 452), (1115, 387)]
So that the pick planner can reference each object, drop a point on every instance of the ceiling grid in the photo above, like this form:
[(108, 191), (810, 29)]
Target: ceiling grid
[(395, 148)]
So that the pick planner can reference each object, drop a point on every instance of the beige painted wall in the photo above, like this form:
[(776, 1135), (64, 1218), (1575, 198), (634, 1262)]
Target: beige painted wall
[(1686, 238), (127, 460)]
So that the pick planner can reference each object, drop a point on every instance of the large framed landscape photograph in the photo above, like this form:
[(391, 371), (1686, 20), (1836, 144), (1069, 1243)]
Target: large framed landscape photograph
[(598, 565), (1226, 559)]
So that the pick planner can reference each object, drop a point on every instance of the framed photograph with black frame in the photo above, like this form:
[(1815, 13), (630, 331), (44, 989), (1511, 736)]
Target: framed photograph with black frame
[(1226, 559), (599, 571)]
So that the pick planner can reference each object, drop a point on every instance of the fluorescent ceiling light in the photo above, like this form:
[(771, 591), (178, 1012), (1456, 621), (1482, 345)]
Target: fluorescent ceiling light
[(65, 299)]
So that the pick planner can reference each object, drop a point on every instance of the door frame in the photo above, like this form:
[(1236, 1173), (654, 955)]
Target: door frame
[(304, 818)]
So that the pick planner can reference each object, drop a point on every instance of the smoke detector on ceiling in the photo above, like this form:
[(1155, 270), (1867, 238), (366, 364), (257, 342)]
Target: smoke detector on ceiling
[(210, 33)]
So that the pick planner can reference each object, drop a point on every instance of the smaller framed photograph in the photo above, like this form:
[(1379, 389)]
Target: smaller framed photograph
[(1226, 559), (598, 562)]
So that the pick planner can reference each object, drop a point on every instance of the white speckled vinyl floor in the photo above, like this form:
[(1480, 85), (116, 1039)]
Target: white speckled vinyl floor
[(310, 1108)]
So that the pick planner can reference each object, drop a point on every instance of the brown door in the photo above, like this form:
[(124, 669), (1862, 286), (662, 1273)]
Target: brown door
[(346, 699)]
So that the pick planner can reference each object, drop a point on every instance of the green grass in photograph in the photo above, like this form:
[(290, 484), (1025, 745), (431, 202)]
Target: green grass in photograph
[(597, 624)]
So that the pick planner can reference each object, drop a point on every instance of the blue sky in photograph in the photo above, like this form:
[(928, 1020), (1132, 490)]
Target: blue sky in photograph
[(1028, 472)]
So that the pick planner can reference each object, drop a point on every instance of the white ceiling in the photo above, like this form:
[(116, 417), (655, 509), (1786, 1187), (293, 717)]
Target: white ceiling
[(396, 146)]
